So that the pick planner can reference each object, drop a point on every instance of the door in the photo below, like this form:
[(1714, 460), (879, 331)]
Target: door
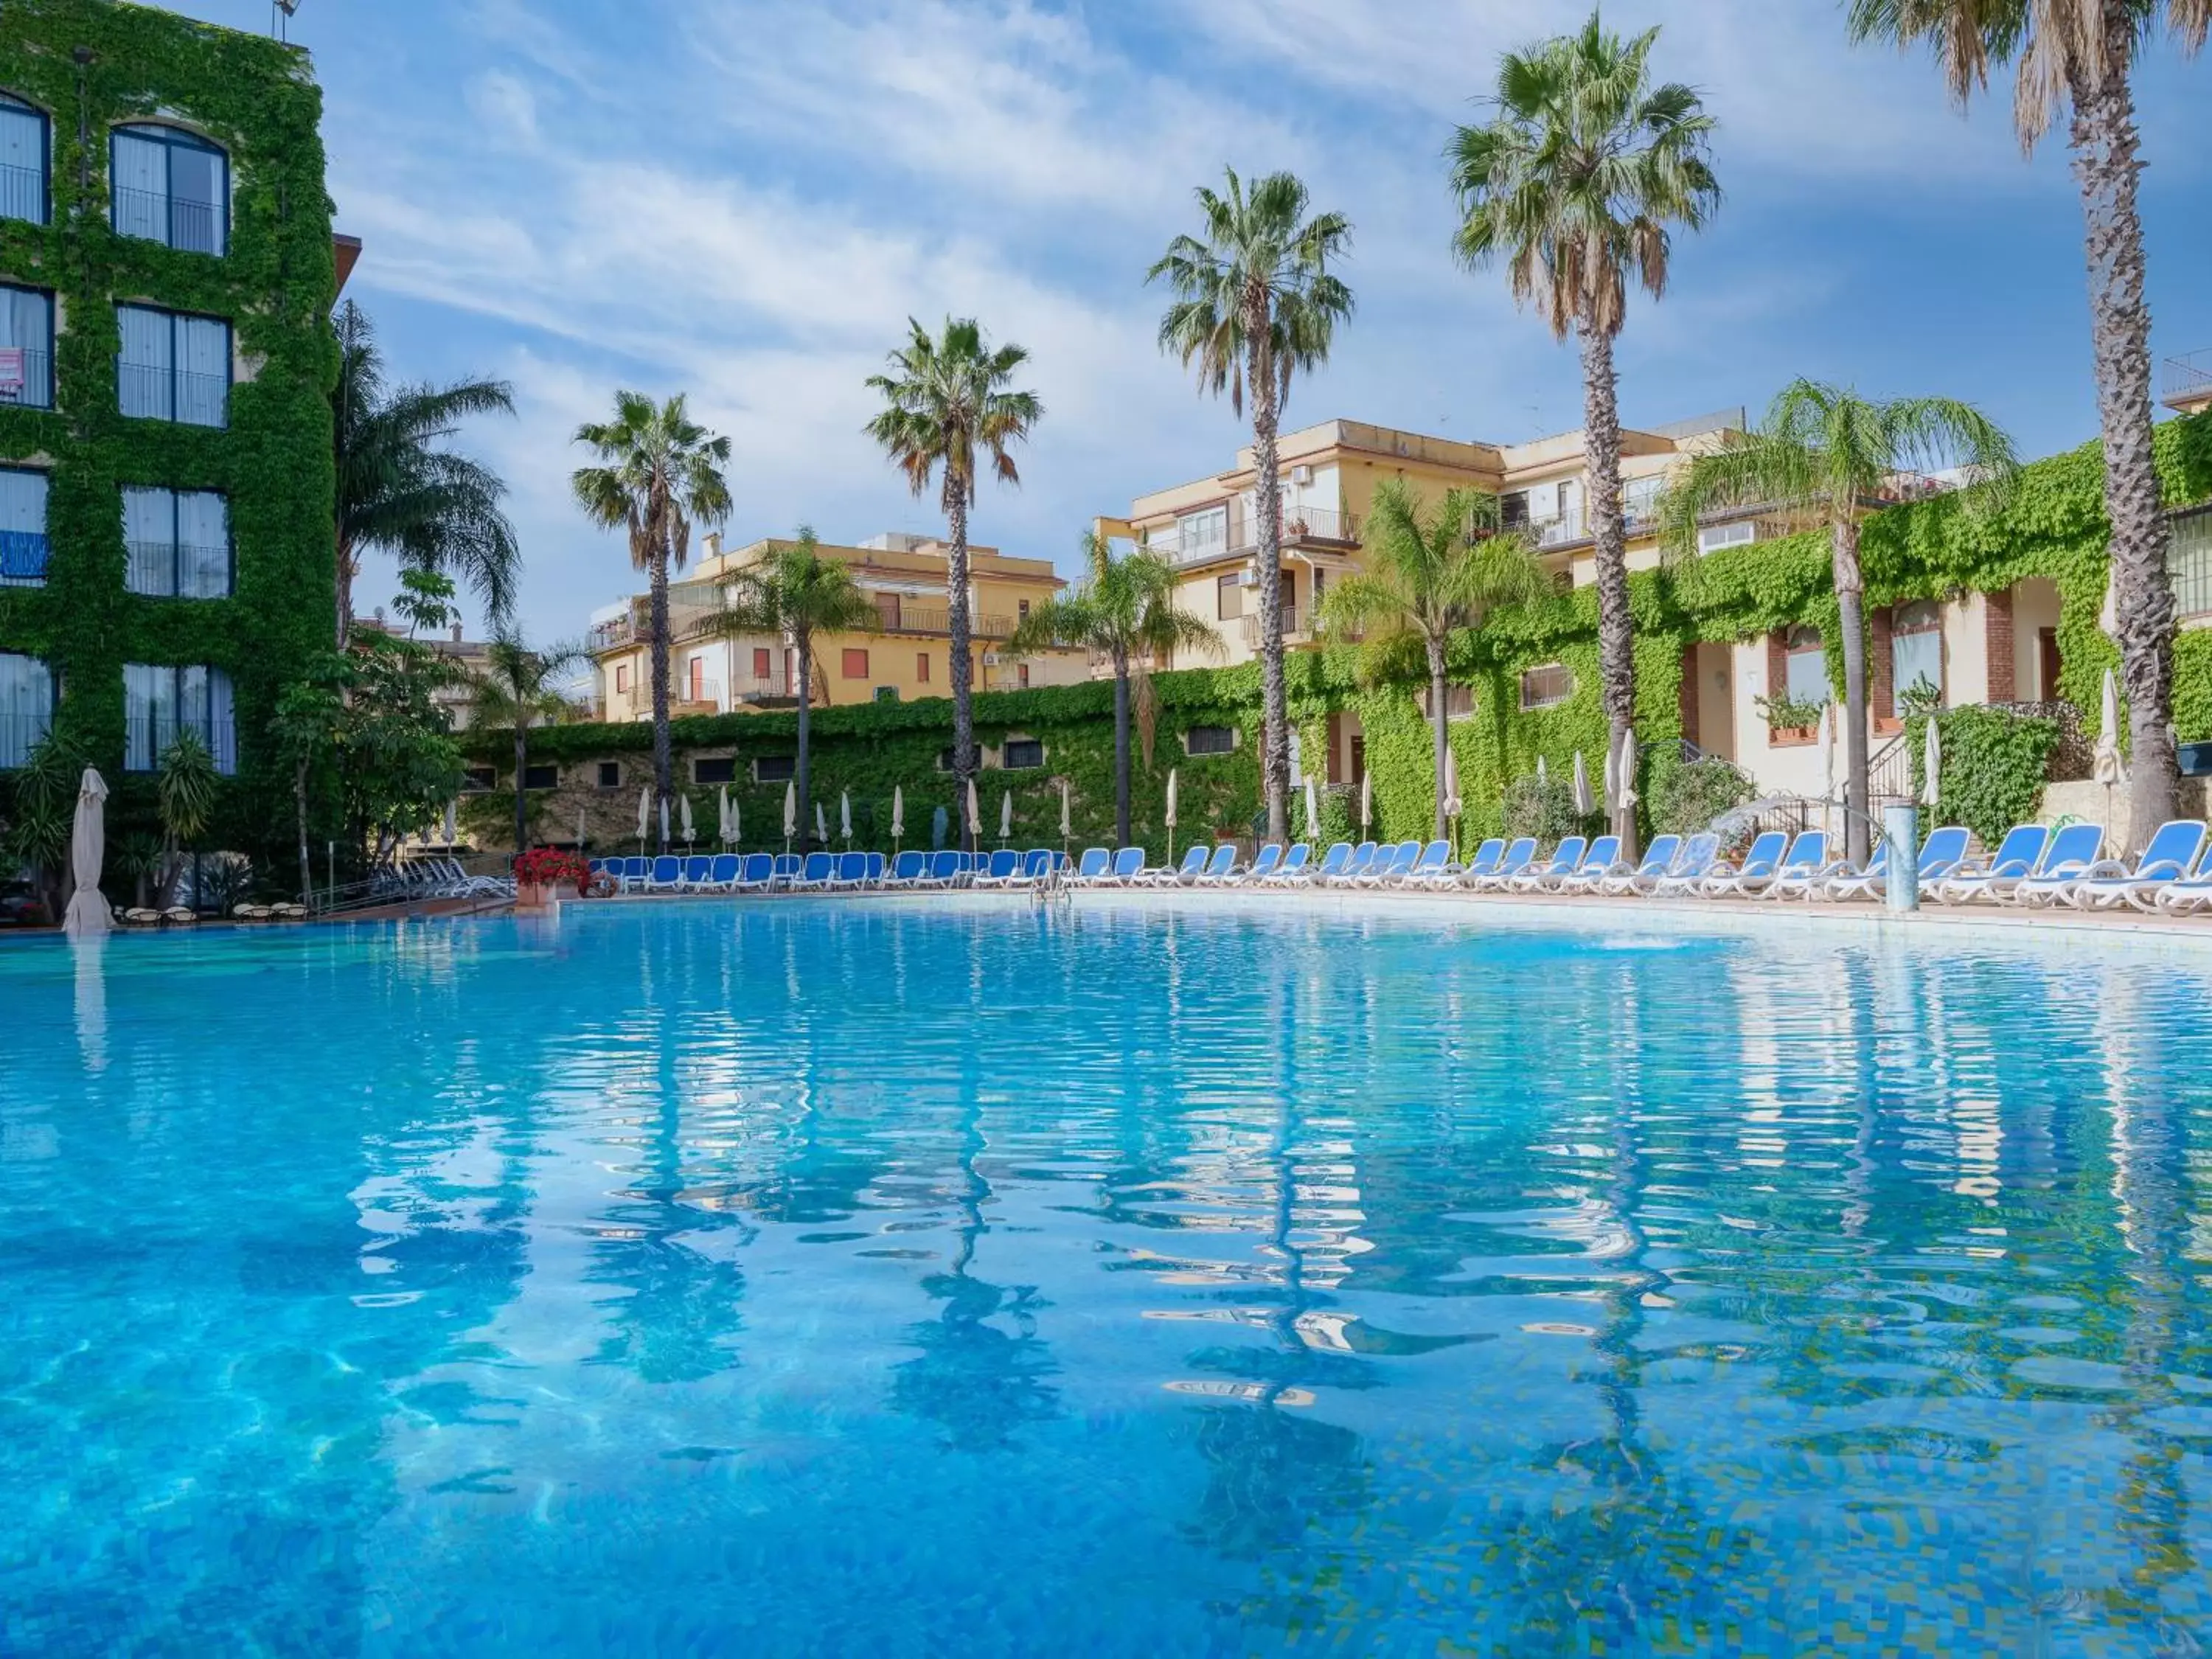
[(2046, 664)]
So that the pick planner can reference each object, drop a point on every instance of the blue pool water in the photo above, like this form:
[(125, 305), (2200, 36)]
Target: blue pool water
[(888, 1280)]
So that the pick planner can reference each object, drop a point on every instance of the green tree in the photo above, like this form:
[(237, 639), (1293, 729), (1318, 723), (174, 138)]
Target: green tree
[(2079, 56), (948, 406), (1429, 575), (1256, 302), (1573, 184), (309, 719), (520, 686), (659, 472), (400, 490), (1822, 451), (184, 784), (398, 764), (1127, 611), (795, 594), (42, 815)]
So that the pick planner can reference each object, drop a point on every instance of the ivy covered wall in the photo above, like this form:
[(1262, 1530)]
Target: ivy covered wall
[(253, 97), (2052, 526)]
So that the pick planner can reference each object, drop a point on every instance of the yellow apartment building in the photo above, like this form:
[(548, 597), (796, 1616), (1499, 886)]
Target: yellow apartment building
[(906, 656)]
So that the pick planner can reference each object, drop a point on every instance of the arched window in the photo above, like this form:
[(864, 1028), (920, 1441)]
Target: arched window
[(1916, 651), (25, 158), (170, 186), (1807, 664)]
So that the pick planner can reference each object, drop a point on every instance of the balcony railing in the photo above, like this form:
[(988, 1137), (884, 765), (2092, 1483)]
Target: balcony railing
[(195, 227), (177, 570), (154, 393), (1303, 526), (22, 193), (2188, 378), (27, 377), (1298, 622), (147, 738), (22, 558)]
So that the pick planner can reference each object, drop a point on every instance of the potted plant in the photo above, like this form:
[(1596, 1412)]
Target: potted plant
[(1789, 719), (546, 876)]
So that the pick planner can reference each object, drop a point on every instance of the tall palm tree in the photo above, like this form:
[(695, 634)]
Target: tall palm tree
[(795, 594), (398, 490), (1255, 302), (1820, 452), (520, 686), (1127, 611), (659, 471), (948, 404), (2079, 55), (1574, 183), (1429, 575)]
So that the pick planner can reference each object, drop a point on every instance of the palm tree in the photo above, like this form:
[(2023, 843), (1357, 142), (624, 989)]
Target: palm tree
[(520, 686), (1428, 576), (399, 491), (1820, 452), (1126, 611), (947, 404), (1255, 302), (796, 593), (2079, 54), (1574, 183), (660, 472)]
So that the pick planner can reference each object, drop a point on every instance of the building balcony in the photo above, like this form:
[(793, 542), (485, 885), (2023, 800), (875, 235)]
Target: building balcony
[(2186, 383), (936, 622), (22, 558), (1319, 527), (1297, 626), (27, 377)]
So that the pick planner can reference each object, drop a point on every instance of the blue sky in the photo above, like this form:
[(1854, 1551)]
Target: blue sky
[(744, 199)]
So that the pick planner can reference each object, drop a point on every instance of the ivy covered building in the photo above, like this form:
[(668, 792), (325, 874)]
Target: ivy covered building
[(167, 272)]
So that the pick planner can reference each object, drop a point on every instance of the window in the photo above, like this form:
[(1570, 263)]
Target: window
[(1021, 754), (887, 611), (622, 676), (610, 775), (944, 760), (722, 769), (1022, 675), (1639, 498), (762, 663), (1200, 535), (22, 527), (1739, 534), (173, 367), (1459, 702), (478, 780), (1544, 687), (1022, 611), (2190, 561), (1229, 596), (855, 664), (159, 702), (921, 667), (178, 542), (1916, 652), (1210, 739), (27, 347), (1807, 676), (541, 777), (695, 670), (774, 768), (26, 157), (1513, 510), (170, 186), (27, 707)]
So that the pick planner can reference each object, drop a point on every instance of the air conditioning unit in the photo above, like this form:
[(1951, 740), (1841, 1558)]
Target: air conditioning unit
[(990, 659), (1248, 579), (1302, 474)]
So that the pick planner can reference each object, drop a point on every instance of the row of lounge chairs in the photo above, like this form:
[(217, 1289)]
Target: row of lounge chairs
[(2033, 865)]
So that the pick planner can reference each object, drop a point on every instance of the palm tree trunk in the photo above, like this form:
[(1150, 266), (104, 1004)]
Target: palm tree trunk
[(345, 573), (1439, 719), (521, 771), (805, 642), (1850, 604), (661, 768), (1267, 496), (2104, 167), (1616, 654), (963, 666), (299, 808), (1120, 749)]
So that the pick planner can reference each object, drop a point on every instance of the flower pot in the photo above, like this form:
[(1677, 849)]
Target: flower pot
[(543, 895)]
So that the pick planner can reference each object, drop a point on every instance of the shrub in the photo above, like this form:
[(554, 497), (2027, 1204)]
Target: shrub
[(1543, 808), (1994, 763), (1686, 798)]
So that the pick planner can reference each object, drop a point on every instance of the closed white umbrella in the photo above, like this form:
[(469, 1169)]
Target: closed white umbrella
[(88, 915), (1584, 805), (1543, 776), (821, 824), (663, 820), (1451, 783), (1625, 770), (1827, 750), (683, 812), (1313, 810), (975, 812), (1932, 762), (1006, 815), (1066, 829), (898, 811), (2106, 765), (725, 824), (790, 812), (452, 823), (1366, 802), (644, 811), (845, 815), (1169, 815), (1611, 783), (2108, 614)]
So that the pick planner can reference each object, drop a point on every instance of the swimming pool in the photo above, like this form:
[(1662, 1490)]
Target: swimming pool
[(911, 1279)]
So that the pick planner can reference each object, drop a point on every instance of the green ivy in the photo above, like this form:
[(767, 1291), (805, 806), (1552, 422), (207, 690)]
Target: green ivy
[(255, 99), (1992, 767)]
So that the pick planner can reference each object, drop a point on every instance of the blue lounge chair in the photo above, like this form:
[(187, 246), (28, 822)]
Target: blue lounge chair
[(666, 876), (759, 870), (698, 869), (817, 873), (2074, 852), (852, 870), (945, 869), (1701, 857), (1622, 878), (878, 865), (1433, 866), (1939, 855), (1388, 864), (1092, 869), (1181, 875), (1361, 860), (1037, 865), (785, 871), (1566, 857), (1331, 866), (1004, 865), (1520, 856), (2183, 896), (722, 873), (1602, 859), (1128, 869), (1808, 868), (1759, 862), (1487, 857), (635, 871), (907, 869), (1264, 863), (2171, 854), (1995, 877), (1296, 867), (1220, 867)]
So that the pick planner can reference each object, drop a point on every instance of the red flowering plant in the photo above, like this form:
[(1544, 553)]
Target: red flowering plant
[(549, 866)]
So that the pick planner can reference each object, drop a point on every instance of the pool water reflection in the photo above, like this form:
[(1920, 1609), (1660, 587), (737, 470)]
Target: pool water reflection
[(818, 1278)]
